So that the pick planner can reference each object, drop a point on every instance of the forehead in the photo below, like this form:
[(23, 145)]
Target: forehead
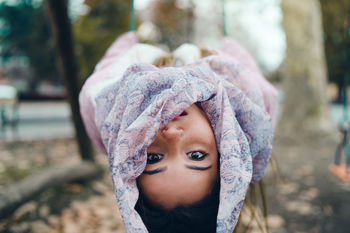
[(178, 186)]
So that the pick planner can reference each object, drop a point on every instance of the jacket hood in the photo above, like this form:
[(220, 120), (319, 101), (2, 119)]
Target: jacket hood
[(127, 113)]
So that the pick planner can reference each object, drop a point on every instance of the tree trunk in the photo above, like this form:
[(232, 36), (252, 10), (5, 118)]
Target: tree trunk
[(305, 107), (64, 39), (26, 190)]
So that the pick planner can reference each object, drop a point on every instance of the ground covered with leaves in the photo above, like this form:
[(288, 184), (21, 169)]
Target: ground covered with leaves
[(77, 207), (308, 197), (303, 197)]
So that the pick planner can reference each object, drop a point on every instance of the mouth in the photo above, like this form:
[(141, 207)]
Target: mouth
[(184, 113)]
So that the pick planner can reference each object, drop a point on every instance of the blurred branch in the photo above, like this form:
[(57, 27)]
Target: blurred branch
[(26, 190), (63, 35)]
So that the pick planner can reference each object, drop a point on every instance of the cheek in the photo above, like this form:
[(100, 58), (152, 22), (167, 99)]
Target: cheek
[(201, 126)]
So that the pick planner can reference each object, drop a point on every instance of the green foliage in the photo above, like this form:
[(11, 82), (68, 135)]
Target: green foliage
[(27, 33), (95, 31), (335, 23)]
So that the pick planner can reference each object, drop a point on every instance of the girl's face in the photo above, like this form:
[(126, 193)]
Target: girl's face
[(182, 161)]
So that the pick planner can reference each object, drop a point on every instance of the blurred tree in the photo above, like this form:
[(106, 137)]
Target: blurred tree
[(95, 31), (62, 29), (305, 108), (175, 23), (26, 32), (334, 24)]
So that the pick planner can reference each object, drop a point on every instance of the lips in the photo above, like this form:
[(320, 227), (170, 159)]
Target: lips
[(184, 113)]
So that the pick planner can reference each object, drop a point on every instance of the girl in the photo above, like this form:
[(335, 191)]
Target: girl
[(183, 142)]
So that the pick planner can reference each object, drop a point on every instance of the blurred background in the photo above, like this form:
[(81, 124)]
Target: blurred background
[(52, 180)]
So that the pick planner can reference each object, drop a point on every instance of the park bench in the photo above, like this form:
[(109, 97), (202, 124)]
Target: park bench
[(8, 107)]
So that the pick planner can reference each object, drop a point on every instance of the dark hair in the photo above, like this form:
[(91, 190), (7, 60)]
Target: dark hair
[(198, 217)]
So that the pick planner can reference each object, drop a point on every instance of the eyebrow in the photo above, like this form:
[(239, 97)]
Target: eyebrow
[(162, 169), (155, 171), (198, 168)]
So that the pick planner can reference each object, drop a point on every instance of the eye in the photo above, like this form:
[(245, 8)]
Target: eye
[(197, 155), (154, 158)]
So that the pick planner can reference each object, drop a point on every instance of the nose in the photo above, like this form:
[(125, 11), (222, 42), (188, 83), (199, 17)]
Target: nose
[(172, 132)]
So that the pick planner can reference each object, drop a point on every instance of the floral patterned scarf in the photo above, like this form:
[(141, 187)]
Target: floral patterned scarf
[(123, 114)]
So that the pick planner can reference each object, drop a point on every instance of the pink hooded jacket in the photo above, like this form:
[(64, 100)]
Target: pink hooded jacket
[(125, 102)]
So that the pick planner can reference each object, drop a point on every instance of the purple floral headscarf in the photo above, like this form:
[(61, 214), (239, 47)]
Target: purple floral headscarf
[(123, 118)]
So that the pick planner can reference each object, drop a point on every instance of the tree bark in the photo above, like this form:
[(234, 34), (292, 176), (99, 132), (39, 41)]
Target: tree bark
[(64, 40), (26, 190), (305, 107)]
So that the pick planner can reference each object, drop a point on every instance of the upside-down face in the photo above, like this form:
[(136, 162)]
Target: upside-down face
[(182, 162)]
